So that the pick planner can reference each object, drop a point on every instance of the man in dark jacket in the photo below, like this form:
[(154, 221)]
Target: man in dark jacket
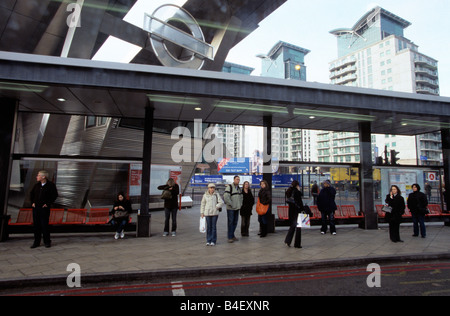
[(42, 196), (417, 204), (327, 206)]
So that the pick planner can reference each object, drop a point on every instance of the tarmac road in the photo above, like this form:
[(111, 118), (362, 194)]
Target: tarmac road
[(401, 279)]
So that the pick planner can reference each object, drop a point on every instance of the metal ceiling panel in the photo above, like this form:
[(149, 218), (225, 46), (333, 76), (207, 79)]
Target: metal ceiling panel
[(95, 88)]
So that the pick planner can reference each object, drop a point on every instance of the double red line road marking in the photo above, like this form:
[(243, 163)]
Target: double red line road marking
[(266, 279)]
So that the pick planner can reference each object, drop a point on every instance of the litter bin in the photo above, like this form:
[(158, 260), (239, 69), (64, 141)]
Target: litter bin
[(143, 225)]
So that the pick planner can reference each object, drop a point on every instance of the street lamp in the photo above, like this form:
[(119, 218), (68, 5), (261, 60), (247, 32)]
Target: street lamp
[(298, 67)]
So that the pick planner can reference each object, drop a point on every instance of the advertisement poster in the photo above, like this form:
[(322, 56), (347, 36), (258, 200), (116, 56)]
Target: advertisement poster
[(234, 165), (159, 175), (404, 180)]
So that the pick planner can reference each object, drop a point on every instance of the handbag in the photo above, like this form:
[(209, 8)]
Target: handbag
[(386, 209), (202, 227), (261, 209), (303, 220), (166, 195), (120, 214)]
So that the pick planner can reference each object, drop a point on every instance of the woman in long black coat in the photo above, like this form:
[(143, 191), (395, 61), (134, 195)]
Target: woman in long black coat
[(294, 200), (395, 200), (246, 209)]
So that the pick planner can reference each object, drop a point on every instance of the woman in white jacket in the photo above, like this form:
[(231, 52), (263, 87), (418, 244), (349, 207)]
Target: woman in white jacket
[(210, 208)]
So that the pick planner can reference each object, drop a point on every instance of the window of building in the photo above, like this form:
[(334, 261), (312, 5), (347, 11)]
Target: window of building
[(93, 121)]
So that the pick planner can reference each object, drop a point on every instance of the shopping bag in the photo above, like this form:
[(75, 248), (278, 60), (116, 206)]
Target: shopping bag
[(303, 221), (202, 227)]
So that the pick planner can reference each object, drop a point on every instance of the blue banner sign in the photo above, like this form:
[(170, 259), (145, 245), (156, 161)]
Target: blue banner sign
[(234, 165)]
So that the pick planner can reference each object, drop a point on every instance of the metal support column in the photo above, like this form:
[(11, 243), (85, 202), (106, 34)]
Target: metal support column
[(267, 167), (8, 121), (366, 176), (143, 225), (445, 135)]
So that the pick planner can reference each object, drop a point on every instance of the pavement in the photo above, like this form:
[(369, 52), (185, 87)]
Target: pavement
[(102, 258)]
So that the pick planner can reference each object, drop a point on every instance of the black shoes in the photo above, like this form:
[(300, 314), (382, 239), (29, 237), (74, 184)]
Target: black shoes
[(35, 245)]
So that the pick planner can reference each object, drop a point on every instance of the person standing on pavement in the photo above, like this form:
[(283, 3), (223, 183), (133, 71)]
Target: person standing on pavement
[(396, 201), (170, 206), (315, 192), (42, 196), (233, 199), (417, 204), (294, 200), (211, 206), (246, 210), (265, 198), (327, 206)]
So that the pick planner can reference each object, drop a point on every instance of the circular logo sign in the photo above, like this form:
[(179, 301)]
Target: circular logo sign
[(177, 38)]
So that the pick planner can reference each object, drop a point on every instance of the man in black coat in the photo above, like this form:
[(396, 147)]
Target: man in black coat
[(42, 196), (417, 204), (327, 206)]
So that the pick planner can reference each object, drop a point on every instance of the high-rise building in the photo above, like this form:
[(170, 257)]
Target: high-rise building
[(232, 136), (287, 61), (375, 54)]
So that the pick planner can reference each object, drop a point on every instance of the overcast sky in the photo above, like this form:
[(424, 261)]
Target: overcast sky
[(307, 24)]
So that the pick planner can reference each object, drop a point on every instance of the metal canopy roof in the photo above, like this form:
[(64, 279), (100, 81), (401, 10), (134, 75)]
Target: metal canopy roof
[(124, 90)]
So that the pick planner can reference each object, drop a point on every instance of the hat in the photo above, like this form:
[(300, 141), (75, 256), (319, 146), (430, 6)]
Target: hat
[(211, 185)]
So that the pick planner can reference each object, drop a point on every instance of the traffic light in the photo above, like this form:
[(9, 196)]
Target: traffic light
[(379, 161), (394, 158)]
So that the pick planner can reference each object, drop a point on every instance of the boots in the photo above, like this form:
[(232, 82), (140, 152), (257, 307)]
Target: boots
[(263, 228)]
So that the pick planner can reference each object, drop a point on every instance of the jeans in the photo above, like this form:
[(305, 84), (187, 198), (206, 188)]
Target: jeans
[(262, 219), (233, 217), (168, 212), (211, 228), (328, 218), (419, 220), (120, 224)]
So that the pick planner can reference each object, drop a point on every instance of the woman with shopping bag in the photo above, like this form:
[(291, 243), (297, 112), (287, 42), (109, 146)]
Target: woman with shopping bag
[(262, 206), (211, 206), (294, 200)]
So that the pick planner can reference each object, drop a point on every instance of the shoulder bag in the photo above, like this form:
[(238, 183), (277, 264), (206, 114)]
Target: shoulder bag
[(261, 209)]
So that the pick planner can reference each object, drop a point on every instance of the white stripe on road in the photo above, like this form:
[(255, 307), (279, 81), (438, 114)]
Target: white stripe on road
[(177, 289)]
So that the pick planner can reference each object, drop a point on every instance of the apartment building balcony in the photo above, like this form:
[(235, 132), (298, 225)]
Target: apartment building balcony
[(423, 71), (434, 84), (342, 63), (345, 79), (431, 137), (343, 72), (422, 61), (420, 88)]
